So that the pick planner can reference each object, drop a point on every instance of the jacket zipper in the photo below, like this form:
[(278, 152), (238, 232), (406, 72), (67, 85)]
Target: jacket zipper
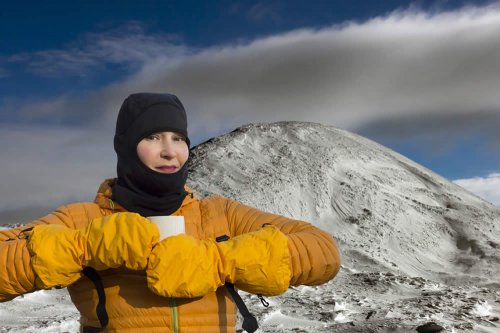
[(175, 321)]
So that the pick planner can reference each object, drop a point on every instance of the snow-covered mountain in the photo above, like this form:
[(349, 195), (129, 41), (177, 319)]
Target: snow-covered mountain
[(387, 212), (416, 247), (408, 237)]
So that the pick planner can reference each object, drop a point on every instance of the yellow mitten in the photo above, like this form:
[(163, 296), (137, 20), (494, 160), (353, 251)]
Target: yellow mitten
[(58, 254), (257, 262), (122, 239)]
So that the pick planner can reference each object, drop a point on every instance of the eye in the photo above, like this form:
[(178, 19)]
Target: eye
[(179, 138), (152, 137)]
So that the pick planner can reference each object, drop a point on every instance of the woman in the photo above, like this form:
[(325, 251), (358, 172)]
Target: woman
[(121, 277)]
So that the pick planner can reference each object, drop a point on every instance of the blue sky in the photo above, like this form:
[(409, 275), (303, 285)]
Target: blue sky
[(420, 77)]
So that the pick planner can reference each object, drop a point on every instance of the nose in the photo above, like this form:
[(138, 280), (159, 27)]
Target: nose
[(167, 150)]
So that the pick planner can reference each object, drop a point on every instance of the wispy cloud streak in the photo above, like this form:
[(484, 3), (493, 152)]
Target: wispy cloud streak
[(487, 187), (128, 45)]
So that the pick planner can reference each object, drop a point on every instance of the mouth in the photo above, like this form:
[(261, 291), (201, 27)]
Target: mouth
[(167, 168)]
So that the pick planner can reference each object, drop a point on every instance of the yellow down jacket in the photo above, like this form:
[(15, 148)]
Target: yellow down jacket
[(131, 306)]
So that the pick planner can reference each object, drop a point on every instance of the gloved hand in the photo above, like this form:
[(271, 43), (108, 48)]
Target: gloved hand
[(256, 262), (58, 253)]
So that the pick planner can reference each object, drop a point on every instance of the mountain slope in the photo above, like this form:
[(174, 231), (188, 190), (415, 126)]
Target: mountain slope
[(416, 247), (385, 210)]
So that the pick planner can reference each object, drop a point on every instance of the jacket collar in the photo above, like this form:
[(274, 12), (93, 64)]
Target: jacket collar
[(103, 197)]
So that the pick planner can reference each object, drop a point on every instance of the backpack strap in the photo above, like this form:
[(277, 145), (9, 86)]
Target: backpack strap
[(100, 309), (249, 322)]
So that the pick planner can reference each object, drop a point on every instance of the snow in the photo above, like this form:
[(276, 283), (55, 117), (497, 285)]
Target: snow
[(40, 311), (71, 325), (276, 318), (482, 309), (416, 248)]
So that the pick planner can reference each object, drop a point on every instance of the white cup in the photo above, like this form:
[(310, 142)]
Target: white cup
[(169, 225)]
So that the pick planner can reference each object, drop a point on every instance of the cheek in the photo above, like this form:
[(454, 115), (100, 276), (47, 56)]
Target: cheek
[(145, 152), (183, 154)]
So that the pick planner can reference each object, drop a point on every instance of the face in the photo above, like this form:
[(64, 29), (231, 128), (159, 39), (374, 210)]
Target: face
[(164, 152)]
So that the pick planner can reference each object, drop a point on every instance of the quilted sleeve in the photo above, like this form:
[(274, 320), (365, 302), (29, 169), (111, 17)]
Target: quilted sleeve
[(315, 258), (16, 274)]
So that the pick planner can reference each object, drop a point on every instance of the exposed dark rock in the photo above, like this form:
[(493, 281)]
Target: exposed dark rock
[(429, 328)]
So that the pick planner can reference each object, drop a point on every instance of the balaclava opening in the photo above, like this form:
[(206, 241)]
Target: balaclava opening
[(138, 188)]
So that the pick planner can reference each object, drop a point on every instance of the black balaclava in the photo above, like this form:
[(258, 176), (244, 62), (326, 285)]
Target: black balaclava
[(138, 188)]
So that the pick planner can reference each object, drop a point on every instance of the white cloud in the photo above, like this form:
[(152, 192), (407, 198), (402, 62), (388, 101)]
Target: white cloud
[(405, 71), (409, 73), (49, 166), (487, 187)]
